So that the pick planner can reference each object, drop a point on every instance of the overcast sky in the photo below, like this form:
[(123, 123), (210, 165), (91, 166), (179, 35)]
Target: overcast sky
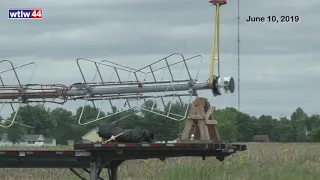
[(280, 68)]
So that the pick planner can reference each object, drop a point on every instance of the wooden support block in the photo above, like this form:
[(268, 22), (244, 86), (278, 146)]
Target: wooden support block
[(200, 122), (187, 128), (212, 122), (204, 132), (209, 113), (215, 134), (195, 117), (196, 102)]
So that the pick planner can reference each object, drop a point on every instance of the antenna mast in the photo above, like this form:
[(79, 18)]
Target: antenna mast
[(238, 55)]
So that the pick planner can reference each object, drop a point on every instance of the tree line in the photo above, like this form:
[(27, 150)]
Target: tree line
[(233, 125)]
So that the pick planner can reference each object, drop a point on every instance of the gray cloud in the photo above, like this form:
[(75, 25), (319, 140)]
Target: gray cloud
[(279, 61), (153, 27)]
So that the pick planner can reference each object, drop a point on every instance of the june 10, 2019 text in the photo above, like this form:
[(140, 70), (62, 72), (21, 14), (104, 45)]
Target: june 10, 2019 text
[(274, 19)]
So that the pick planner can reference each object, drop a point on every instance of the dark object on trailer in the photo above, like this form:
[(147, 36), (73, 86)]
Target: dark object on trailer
[(136, 135), (97, 156)]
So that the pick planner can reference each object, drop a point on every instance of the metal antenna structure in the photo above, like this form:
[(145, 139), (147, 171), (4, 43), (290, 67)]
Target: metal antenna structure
[(124, 90), (168, 78), (238, 55)]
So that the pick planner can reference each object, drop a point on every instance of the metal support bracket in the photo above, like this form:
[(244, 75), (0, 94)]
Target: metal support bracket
[(96, 168)]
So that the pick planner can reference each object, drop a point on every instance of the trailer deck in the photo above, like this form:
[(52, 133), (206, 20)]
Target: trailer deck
[(97, 157)]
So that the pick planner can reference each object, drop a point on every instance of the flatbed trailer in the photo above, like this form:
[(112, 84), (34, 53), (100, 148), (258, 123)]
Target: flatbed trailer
[(94, 157)]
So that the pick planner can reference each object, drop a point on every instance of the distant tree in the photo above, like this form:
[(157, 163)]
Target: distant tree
[(285, 131), (315, 135), (245, 127), (65, 121), (227, 132), (233, 125), (227, 123), (37, 117), (15, 133), (298, 120)]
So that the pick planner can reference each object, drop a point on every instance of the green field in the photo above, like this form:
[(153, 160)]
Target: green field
[(263, 161)]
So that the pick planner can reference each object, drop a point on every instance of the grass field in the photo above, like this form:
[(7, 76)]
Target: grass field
[(263, 161)]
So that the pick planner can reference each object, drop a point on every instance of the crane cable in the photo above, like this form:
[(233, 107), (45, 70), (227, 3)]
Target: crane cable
[(214, 43)]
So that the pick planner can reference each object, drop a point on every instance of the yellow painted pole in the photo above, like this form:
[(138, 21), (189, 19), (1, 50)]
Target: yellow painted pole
[(214, 42)]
